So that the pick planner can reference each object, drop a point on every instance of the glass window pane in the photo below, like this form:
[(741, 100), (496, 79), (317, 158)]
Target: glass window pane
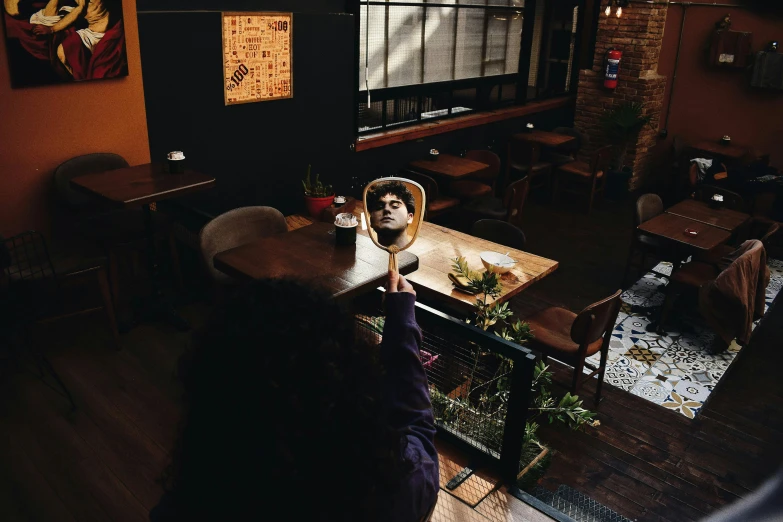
[(375, 41), (514, 43), (439, 44), (470, 42), (497, 37), (405, 56)]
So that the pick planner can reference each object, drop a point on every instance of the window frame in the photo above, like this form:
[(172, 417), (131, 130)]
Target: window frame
[(482, 84)]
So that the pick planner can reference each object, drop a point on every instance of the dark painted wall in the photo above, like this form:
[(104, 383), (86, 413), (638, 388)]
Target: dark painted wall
[(259, 152)]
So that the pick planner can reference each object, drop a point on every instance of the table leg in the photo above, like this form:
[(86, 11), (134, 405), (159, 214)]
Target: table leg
[(159, 308)]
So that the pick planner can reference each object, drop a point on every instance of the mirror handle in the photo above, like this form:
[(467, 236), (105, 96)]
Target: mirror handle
[(393, 249)]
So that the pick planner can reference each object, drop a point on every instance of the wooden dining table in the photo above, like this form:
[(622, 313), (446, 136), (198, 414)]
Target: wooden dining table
[(310, 254), (449, 166), (672, 227), (142, 186), (723, 218), (437, 246), (545, 138), (714, 148)]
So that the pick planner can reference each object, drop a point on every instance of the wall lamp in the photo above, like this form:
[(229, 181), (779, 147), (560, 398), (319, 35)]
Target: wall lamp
[(619, 3)]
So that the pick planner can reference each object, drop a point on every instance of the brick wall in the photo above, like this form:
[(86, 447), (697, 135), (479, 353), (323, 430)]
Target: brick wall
[(639, 35)]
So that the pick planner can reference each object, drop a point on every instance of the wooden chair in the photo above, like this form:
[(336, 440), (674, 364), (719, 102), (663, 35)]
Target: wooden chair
[(235, 228), (581, 177), (437, 203), (731, 200), (524, 157), (566, 153), (647, 207), (482, 183), (499, 232), (571, 338), (508, 209)]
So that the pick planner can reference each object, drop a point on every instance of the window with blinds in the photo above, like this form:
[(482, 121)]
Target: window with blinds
[(421, 60)]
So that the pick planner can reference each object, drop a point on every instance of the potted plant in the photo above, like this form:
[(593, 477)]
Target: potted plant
[(317, 195), (621, 126)]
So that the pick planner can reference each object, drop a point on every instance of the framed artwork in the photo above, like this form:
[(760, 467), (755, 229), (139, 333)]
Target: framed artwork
[(62, 41), (257, 57)]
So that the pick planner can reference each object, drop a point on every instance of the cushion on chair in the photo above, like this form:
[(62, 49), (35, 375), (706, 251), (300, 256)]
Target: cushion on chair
[(441, 204), (695, 273), (552, 330), (469, 189), (579, 168)]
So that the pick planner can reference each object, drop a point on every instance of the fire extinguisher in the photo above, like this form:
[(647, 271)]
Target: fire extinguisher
[(613, 57)]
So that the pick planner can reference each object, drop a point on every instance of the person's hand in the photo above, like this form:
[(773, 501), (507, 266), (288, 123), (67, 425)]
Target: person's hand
[(397, 283), (42, 30), (80, 3)]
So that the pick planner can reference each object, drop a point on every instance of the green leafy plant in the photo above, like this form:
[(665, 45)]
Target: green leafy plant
[(317, 189), (621, 125), (481, 401)]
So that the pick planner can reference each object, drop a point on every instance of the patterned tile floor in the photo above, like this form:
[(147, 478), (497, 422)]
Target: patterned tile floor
[(676, 370)]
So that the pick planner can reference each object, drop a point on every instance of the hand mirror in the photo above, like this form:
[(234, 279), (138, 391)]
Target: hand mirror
[(394, 209)]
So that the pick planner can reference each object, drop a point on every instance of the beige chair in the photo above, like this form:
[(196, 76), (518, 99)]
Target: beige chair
[(234, 228), (571, 338)]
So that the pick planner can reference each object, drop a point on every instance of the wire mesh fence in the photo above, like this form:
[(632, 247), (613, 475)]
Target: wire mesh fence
[(470, 381)]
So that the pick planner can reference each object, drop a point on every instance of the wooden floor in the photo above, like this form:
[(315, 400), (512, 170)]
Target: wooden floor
[(648, 463)]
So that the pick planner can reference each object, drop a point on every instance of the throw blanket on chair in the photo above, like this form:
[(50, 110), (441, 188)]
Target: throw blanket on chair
[(734, 299)]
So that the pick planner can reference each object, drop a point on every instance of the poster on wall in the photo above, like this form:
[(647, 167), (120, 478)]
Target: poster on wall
[(257, 54), (63, 41)]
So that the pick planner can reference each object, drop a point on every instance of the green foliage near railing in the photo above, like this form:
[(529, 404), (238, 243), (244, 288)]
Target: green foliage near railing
[(483, 405)]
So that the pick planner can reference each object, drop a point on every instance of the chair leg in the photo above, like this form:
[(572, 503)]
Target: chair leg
[(601, 372), (108, 306), (176, 269), (578, 370), (114, 276), (44, 365), (671, 297), (555, 187)]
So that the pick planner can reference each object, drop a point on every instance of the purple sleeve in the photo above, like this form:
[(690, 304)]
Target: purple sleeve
[(408, 405)]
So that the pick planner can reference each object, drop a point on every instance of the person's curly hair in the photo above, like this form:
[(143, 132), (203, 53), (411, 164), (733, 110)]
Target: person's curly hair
[(283, 399), (395, 188)]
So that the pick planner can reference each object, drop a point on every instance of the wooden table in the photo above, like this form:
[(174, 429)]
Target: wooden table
[(310, 254), (141, 185), (437, 246), (714, 148), (449, 166), (672, 227), (545, 138), (700, 211)]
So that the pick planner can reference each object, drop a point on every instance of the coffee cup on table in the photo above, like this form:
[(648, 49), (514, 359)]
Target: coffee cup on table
[(176, 162), (345, 225)]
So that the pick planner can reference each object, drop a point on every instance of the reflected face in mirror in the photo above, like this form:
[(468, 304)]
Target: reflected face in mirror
[(391, 205)]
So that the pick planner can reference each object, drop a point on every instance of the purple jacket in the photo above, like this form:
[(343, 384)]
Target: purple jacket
[(409, 408)]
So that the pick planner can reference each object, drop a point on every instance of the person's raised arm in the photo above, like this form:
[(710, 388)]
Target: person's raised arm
[(407, 397)]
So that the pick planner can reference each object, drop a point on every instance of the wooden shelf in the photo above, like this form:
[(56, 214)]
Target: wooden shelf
[(422, 130)]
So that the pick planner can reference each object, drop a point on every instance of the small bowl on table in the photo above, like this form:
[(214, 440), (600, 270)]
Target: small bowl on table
[(496, 262)]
